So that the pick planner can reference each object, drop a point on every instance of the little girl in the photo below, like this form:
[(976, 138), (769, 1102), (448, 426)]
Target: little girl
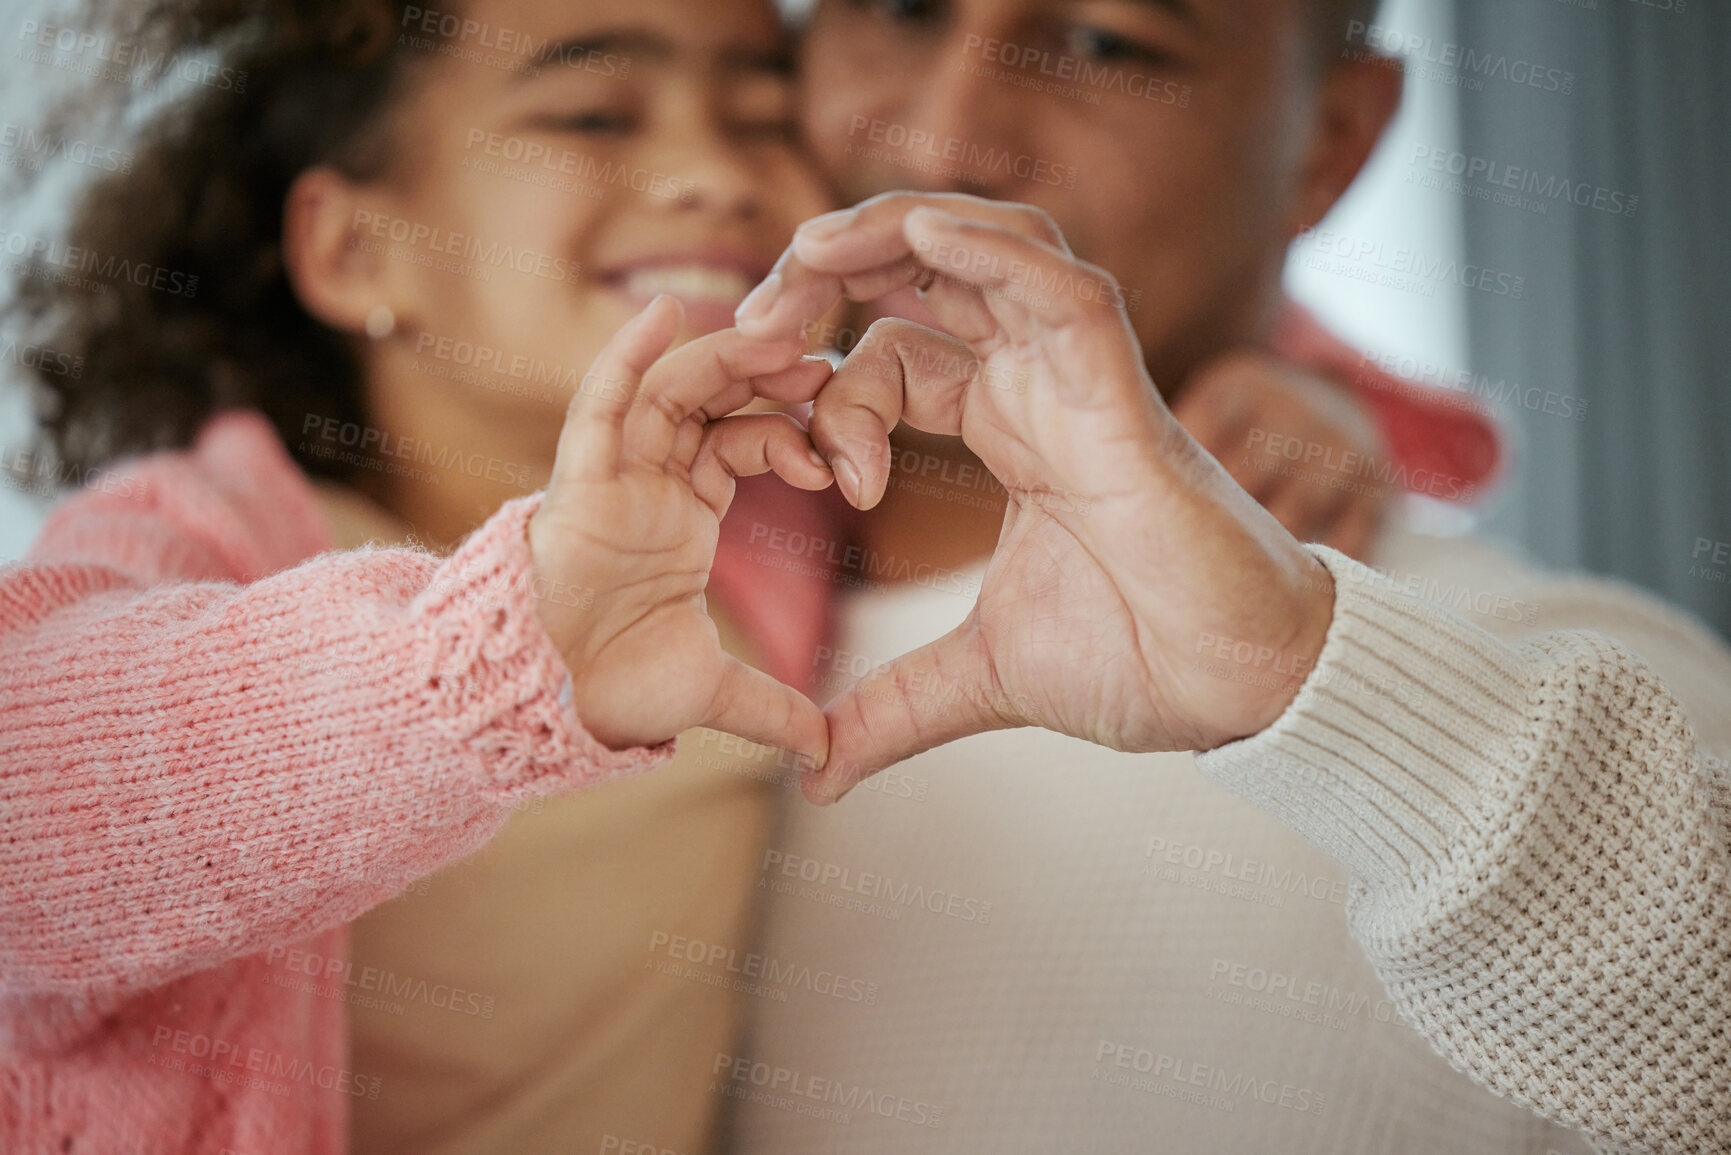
[(223, 742)]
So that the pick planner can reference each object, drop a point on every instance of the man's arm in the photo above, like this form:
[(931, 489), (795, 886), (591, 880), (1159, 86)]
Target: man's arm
[(1534, 820), (1536, 839)]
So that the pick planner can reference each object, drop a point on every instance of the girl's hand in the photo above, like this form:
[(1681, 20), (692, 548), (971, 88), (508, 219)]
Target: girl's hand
[(627, 530)]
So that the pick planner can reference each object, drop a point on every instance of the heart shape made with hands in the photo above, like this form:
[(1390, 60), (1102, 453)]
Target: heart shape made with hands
[(1123, 543)]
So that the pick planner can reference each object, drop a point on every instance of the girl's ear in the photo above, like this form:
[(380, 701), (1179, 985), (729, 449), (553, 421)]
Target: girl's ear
[(338, 270)]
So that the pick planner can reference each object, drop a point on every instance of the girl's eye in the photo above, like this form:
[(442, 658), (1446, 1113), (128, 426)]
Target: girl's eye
[(1103, 44), (591, 123)]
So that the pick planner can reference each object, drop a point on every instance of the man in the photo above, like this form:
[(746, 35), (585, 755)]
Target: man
[(1069, 949)]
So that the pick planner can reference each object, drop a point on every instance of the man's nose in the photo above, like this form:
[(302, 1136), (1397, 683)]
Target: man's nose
[(976, 121)]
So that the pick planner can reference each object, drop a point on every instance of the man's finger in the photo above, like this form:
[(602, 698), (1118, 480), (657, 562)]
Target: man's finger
[(755, 706), (864, 253), (750, 444), (929, 696), (898, 371), (1027, 287)]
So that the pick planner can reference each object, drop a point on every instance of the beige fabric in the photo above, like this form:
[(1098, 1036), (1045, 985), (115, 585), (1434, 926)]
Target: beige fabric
[(564, 1030), (1163, 968)]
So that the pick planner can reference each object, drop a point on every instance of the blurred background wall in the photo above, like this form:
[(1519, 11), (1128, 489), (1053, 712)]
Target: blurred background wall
[(1629, 310)]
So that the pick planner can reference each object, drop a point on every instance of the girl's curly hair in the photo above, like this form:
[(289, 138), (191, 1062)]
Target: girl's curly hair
[(214, 323)]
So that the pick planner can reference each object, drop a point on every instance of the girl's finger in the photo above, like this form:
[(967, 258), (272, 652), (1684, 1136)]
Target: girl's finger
[(750, 444), (708, 377), (591, 441)]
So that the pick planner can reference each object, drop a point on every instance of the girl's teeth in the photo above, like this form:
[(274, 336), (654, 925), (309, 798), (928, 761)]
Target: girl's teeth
[(691, 283)]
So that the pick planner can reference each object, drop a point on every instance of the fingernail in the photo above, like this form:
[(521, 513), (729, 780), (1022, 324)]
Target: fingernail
[(847, 476), (829, 224), (760, 300)]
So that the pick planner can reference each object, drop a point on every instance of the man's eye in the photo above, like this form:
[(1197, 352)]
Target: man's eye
[(911, 11), (1101, 44), (774, 130)]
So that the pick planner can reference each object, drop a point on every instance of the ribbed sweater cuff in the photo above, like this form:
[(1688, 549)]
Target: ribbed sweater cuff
[(1403, 744), (495, 678)]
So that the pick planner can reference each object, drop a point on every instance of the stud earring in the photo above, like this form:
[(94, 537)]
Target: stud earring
[(381, 322)]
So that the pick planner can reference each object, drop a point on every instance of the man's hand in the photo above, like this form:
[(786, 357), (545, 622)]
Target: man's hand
[(631, 518), (1129, 560), (1301, 446)]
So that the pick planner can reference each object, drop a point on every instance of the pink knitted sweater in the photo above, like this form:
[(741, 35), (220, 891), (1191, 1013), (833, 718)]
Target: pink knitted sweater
[(216, 749)]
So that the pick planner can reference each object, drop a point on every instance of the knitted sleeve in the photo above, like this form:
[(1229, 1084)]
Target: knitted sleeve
[(1538, 850), (192, 771)]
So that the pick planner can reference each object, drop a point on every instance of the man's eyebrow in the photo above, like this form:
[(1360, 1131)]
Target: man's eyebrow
[(778, 60), (1182, 9), (576, 50)]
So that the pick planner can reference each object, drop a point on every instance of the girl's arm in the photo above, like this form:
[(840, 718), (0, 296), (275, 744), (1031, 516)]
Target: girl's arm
[(194, 771)]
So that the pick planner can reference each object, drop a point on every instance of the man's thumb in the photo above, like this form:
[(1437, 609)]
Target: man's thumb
[(926, 697)]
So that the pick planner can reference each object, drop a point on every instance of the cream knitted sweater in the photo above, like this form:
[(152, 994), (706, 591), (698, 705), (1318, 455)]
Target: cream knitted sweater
[(1492, 808), (1536, 833)]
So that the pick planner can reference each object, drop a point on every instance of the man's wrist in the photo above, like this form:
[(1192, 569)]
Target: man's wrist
[(1298, 658)]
